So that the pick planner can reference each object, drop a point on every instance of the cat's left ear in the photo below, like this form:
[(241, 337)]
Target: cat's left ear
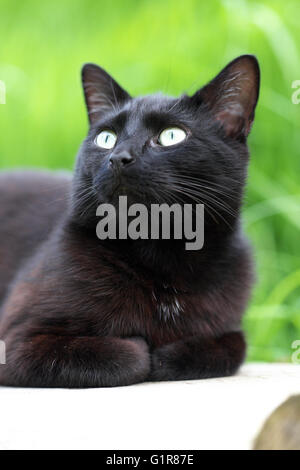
[(232, 95), (102, 93)]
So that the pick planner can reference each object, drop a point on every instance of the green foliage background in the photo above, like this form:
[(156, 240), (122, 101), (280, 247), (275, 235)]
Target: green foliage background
[(173, 46)]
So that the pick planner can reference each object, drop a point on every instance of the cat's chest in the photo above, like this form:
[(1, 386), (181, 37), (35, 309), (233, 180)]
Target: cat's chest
[(161, 313), (128, 303), (168, 302)]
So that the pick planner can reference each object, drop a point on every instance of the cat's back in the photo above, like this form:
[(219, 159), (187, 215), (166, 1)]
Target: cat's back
[(31, 205)]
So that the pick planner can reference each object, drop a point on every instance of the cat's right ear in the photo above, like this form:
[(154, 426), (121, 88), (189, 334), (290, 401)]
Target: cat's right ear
[(102, 93), (231, 96)]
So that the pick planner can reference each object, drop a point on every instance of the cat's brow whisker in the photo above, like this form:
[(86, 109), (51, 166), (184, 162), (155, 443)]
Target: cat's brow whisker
[(177, 102), (114, 93)]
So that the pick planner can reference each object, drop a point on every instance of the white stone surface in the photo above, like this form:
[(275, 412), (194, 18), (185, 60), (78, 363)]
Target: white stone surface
[(206, 414)]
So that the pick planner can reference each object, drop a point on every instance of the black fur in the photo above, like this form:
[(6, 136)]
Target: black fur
[(79, 312)]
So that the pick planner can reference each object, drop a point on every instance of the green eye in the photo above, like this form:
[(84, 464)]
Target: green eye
[(106, 139), (171, 136)]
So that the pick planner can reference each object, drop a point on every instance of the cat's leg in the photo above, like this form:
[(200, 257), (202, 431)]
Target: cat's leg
[(75, 362), (197, 358)]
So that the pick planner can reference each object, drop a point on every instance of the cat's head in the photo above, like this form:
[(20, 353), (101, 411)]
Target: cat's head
[(161, 149)]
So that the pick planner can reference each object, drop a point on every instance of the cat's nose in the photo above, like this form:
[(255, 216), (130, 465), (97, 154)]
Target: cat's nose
[(121, 159)]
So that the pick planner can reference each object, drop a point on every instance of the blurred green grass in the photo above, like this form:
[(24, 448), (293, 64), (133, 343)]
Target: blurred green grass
[(172, 47)]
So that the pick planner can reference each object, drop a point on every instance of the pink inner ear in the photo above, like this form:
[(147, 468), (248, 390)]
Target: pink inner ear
[(232, 95), (233, 120)]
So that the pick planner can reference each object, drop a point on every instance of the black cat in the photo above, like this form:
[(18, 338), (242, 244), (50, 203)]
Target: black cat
[(77, 311)]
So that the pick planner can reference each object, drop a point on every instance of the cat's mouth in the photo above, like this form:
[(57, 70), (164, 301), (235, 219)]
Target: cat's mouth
[(137, 190), (119, 188), (130, 190)]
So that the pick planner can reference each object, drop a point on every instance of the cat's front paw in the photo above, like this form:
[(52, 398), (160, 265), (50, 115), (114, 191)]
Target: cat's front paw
[(167, 363), (137, 360)]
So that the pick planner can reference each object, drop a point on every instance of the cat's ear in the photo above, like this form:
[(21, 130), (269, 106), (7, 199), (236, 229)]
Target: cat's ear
[(232, 95), (102, 93)]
